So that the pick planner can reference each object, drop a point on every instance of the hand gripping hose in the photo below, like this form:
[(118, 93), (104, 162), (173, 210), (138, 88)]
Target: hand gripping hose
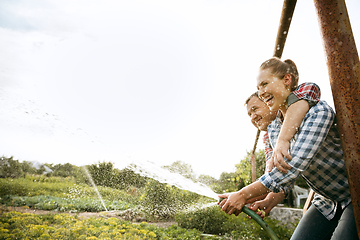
[(261, 222)]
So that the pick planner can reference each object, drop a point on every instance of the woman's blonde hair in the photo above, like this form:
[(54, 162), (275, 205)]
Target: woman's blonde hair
[(280, 68)]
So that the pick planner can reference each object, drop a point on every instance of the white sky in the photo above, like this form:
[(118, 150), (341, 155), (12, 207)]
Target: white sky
[(83, 81)]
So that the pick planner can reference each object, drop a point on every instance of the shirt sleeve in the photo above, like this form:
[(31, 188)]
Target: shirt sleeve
[(268, 148), (268, 155), (306, 144), (306, 91)]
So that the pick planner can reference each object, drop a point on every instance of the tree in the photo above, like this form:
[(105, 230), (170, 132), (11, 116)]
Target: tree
[(10, 168), (206, 179), (183, 169), (67, 170), (229, 182), (243, 169), (128, 178), (28, 168), (103, 174)]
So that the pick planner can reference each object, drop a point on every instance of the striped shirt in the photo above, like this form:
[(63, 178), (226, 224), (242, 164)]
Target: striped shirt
[(317, 157)]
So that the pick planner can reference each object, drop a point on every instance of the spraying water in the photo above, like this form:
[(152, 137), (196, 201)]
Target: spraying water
[(94, 186), (148, 169)]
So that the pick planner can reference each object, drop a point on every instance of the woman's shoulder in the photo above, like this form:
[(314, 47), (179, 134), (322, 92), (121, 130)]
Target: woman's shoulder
[(308, 84), (309, 87), (322, 105)]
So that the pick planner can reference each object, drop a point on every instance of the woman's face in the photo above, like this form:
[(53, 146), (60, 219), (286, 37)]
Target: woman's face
[(273, 90)]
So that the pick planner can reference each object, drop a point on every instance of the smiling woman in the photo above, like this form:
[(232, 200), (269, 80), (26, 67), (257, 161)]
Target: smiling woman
[(275, 81)]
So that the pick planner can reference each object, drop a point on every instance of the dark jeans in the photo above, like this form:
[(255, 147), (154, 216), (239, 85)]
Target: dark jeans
[(314, 226)]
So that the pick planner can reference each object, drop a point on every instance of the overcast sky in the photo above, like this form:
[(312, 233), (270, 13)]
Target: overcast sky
[(83, 81)]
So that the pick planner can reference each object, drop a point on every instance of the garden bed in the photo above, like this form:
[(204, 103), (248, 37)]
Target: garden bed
[(81, 215)]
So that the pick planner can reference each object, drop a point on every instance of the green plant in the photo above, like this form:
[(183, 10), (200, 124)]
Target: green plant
[(10, 168), (208, 219), (157, 201), (162, 201), (243, 169), (211, 220), (14, 225)]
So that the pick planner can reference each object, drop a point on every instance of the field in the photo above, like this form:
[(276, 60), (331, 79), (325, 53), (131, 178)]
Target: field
[(38, 206)]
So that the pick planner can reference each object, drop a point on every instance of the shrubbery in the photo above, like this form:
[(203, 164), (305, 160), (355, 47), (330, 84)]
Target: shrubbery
[(14, 225), (54, 194), (66, 189), (212, 220), (162, 201), (104, 174), (64, 204)]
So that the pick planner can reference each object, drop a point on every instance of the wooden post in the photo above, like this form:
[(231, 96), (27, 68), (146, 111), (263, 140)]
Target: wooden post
[(253, 158)]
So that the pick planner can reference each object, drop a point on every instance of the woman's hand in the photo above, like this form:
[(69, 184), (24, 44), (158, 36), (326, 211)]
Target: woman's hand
[(233, 203), (280, 152)]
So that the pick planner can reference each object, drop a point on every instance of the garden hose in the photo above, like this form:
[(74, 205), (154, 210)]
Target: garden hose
[(260, 221)]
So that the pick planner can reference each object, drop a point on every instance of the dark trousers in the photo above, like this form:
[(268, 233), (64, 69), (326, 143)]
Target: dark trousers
[(314, 226)]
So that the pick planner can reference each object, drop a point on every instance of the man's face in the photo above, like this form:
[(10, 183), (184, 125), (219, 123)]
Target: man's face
[(260, 114)]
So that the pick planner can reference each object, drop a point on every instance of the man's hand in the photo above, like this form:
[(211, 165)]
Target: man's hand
[(263, 207), (280, 152)]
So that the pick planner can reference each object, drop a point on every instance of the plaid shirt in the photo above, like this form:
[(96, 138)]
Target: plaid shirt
[(317, 157), (306, 91), (267, 147)]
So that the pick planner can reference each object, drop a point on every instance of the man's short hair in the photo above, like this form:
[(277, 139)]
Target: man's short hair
[(255, 94)]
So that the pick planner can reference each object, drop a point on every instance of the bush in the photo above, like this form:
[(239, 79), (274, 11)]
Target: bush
[(57, 186), (34, 185), (104, 174), (67, 170), (158, 202), (12, 187), (211, 219), (162, 201), (10, 168), (208, 219)]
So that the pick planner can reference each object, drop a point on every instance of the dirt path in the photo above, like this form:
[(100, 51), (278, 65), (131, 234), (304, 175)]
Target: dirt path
[(81, 215)]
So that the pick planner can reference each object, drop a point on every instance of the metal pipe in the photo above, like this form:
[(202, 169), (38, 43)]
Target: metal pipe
[(344, 71), (285, 20)]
